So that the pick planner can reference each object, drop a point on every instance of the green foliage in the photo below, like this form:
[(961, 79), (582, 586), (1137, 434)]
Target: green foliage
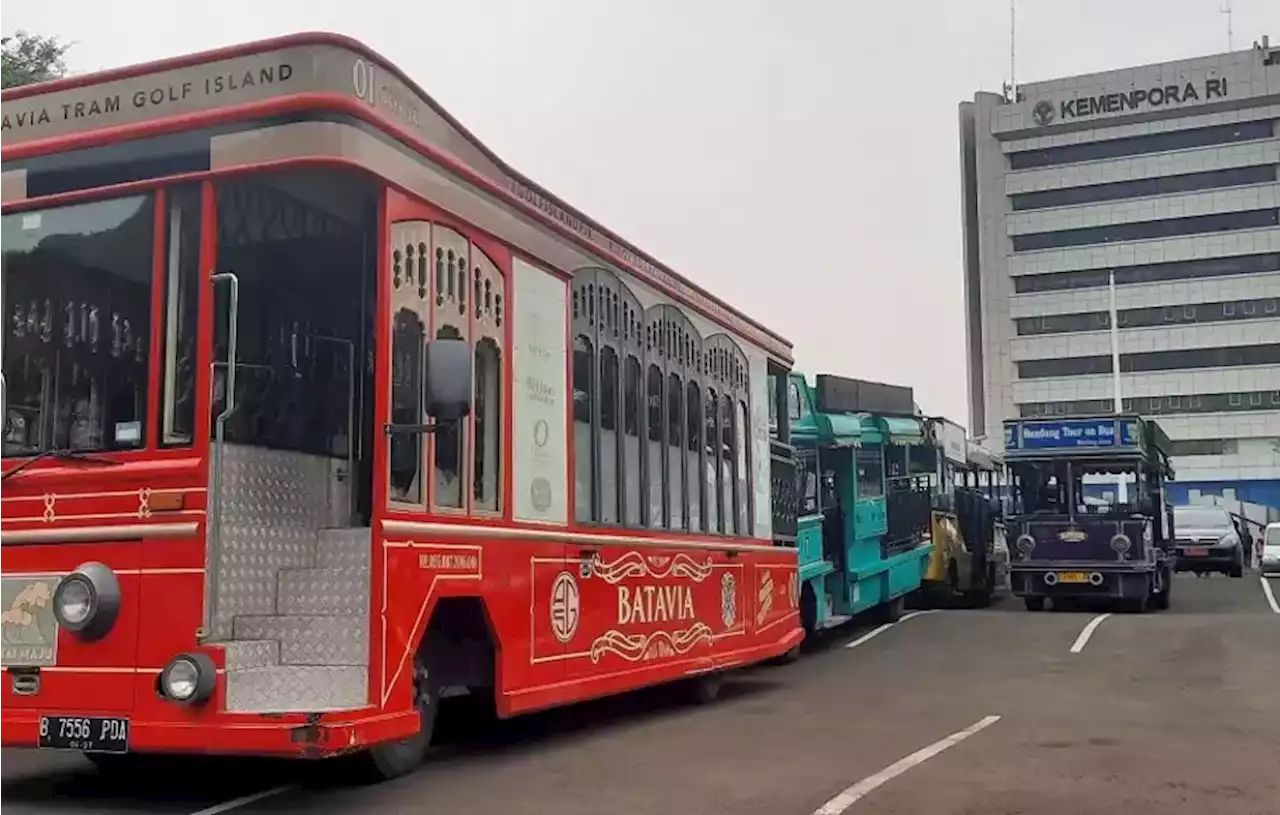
[(32, 58)]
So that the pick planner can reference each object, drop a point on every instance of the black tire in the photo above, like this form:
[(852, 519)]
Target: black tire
[(789, 657), (706, 688), (1237, 568), (891, 611), (1137, 605), (1034, 603), (389, 760)]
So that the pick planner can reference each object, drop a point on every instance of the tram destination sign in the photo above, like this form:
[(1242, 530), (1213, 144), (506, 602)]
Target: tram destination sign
[(1070, 434)]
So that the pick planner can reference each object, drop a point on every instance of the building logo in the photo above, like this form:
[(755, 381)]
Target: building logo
[(30, 631), (1042, 113)]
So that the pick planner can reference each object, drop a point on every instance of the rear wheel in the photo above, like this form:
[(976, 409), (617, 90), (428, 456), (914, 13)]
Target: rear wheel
[(1034, 603), (891, 611), (706, 688)]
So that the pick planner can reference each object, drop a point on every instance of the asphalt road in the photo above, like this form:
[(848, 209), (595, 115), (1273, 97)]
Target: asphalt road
[(1173, 712)]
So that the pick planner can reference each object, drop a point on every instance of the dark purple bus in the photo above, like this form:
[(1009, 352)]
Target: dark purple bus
[(1070, 544)]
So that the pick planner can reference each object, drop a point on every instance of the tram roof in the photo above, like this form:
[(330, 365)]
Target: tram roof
[(324, 71)]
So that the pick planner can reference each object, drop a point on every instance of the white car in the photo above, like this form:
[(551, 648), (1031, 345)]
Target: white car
[(1270, 562)]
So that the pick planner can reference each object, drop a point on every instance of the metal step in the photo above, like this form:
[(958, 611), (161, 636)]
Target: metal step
[(343, 547), (324, 591), (310, 640), (251, 652), (834, 620), (297, 689)]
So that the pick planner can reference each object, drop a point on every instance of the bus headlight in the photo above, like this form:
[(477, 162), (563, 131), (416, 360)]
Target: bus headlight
[(87, 601), (1121, 544), (188, 678), (1025, 544)]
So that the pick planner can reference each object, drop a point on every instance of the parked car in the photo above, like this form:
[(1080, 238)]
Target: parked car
[(1270, 562), (1208, 539)]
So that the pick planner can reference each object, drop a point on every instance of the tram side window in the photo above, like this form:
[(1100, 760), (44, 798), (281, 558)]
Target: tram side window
[(693, 455), (450, 442), (407, 337), (870, 472), (633, 420), (488, 418), (609, 435), (583, 453), (656, 465), (77, 307), (745, 516), (675, 457), (715, 514), (181, 298), (728, 465)]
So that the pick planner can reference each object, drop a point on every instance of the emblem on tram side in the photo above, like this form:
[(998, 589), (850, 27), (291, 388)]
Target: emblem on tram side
[(728, 600), (1072, 535), (566, 607), (29, 629)]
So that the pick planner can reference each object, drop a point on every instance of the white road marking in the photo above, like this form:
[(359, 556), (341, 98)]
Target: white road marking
[(880, 629), (853, 794), (1271, 595), (245, 800), (1083, 639)]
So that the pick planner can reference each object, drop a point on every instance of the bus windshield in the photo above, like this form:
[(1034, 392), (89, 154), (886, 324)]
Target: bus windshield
[(77, 308)]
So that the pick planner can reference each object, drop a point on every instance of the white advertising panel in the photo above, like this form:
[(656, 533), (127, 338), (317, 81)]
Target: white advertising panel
[(540, 466)]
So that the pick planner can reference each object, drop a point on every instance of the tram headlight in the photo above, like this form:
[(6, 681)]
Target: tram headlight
[(1120, 544), (188, 678), (1025, 544), (87, 601)]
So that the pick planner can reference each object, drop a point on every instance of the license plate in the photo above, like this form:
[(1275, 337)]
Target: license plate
[(92, 734), (1073, 577), (1195, 551)]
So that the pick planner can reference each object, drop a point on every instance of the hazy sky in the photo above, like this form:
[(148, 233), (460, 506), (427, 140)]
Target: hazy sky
[(797, 157)]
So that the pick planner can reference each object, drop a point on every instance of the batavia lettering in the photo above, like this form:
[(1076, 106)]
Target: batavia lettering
[(1136, 99), (147, 98), (654, 604)]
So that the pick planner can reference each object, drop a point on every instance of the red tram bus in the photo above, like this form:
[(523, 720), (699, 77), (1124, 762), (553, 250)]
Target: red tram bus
[(316, 411)]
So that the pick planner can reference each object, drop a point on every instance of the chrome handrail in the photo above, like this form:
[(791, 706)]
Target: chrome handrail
[(213, 561)]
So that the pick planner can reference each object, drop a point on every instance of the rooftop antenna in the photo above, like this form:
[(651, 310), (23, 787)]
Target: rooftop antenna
[(1013, 81), (1226, 9)]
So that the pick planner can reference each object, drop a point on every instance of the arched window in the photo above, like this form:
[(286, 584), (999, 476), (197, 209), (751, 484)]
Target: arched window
[(410, 312), (607, 451), (584, 388), (451, 252), (693, 454), (655, 465), (726, 366), (711, 467), (486, 304), (675, 452)]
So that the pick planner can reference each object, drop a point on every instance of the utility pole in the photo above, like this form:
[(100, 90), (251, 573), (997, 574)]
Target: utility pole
[(1226, 9)]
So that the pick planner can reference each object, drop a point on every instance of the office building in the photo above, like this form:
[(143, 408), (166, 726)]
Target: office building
[(1165, 176)]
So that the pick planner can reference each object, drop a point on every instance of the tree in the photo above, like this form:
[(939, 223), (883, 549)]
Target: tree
[(32, 58)]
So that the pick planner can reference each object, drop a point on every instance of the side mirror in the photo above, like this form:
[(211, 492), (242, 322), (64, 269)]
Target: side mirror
[(446, 379)]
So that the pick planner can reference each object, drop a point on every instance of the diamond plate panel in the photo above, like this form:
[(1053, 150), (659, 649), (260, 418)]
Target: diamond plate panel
[(258, 652), (272, 503), (323, 591), (311, 640), (297, 689), (343, 548)]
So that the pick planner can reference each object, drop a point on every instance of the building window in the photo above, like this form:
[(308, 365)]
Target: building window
[(1237, 356), (1141, 145), (1161, 185), (1143, 317), (1146, 230), (1149, 273), (1233, 402)]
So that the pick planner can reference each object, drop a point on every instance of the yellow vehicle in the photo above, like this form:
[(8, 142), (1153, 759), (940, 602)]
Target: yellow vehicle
[(965, 523)]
